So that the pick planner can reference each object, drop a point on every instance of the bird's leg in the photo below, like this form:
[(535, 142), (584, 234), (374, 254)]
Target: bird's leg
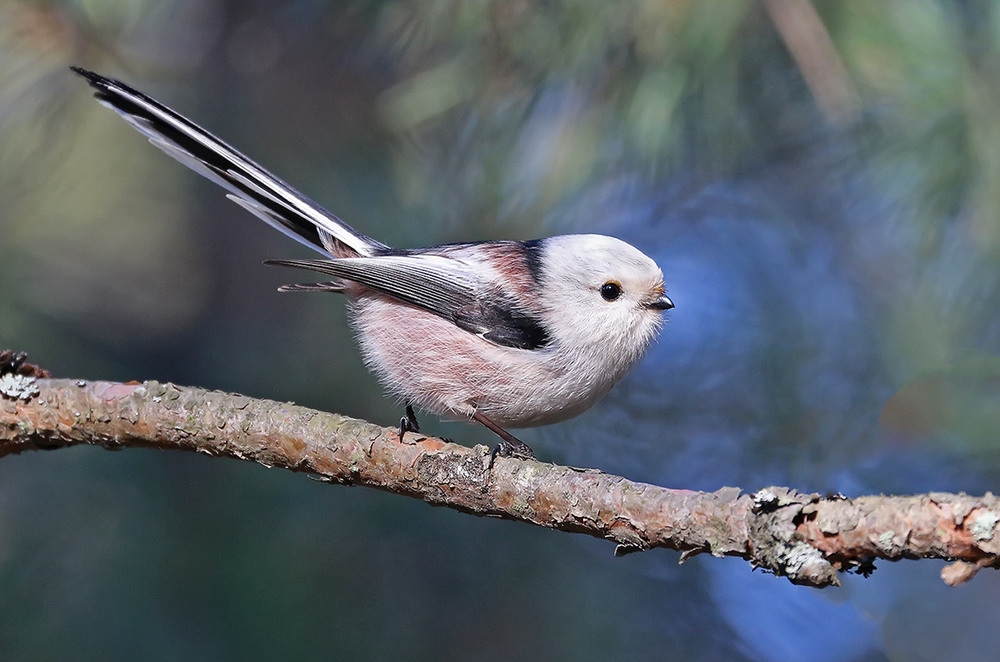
[(509, 446), (408, 423)]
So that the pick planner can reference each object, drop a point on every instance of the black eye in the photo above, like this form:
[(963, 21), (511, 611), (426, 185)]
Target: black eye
[(611, 290)]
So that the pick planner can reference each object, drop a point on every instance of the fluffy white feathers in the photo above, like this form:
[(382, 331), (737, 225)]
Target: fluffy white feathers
[(512, 333)]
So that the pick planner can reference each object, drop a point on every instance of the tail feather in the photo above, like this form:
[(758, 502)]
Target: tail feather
[(251, 186), (329, 286)]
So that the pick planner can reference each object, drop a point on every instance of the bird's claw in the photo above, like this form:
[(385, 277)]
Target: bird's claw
[(408, 423)]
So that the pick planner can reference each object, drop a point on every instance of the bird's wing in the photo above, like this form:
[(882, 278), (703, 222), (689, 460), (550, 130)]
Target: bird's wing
[(444, 286)]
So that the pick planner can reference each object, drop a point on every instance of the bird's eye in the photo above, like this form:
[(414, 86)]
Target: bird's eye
[(611, 290)]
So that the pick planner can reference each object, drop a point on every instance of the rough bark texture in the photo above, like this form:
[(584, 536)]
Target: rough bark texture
[(804, 537)]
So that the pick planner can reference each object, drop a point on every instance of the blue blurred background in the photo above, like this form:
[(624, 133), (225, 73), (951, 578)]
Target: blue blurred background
[(818, 182)]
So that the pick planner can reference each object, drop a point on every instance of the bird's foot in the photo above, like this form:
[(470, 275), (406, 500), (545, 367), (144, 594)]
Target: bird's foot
[(509, 446), (408, 423)]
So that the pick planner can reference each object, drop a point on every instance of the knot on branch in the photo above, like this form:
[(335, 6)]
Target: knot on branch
[(775, 542)]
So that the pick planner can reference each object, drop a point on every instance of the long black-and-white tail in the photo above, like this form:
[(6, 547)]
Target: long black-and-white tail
[(250, 185)]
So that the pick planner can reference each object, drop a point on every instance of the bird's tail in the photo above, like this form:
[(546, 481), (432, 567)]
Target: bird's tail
[(250, 185)]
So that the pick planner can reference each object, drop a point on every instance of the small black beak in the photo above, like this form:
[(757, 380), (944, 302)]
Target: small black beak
[(663, 303)]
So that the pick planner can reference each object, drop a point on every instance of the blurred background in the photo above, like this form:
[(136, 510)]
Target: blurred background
[(819, 183)]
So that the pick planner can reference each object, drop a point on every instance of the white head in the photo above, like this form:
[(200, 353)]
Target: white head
[(602, 296)]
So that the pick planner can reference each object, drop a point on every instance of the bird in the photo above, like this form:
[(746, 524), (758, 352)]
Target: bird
[(507, 333)]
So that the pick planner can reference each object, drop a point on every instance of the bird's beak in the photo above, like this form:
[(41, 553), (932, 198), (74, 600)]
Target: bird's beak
[(663, 303)]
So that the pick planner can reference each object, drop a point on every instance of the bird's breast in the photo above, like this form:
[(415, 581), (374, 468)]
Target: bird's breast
[(427, 361)]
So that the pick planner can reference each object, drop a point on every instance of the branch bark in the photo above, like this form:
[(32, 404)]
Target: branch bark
[(805, 537)]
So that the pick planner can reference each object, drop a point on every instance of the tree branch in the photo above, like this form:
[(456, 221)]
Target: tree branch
[(804, 537)]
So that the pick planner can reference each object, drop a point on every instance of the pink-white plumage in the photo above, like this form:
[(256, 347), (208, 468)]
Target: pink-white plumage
[(511, 333), (426, 359)]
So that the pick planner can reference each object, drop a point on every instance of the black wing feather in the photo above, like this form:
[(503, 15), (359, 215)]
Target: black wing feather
[(439, 285)]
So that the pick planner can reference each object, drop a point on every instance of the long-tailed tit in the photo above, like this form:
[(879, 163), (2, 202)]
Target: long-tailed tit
[(508, 333)]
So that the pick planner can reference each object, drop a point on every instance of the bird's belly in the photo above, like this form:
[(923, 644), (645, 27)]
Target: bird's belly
[(427, 361)]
